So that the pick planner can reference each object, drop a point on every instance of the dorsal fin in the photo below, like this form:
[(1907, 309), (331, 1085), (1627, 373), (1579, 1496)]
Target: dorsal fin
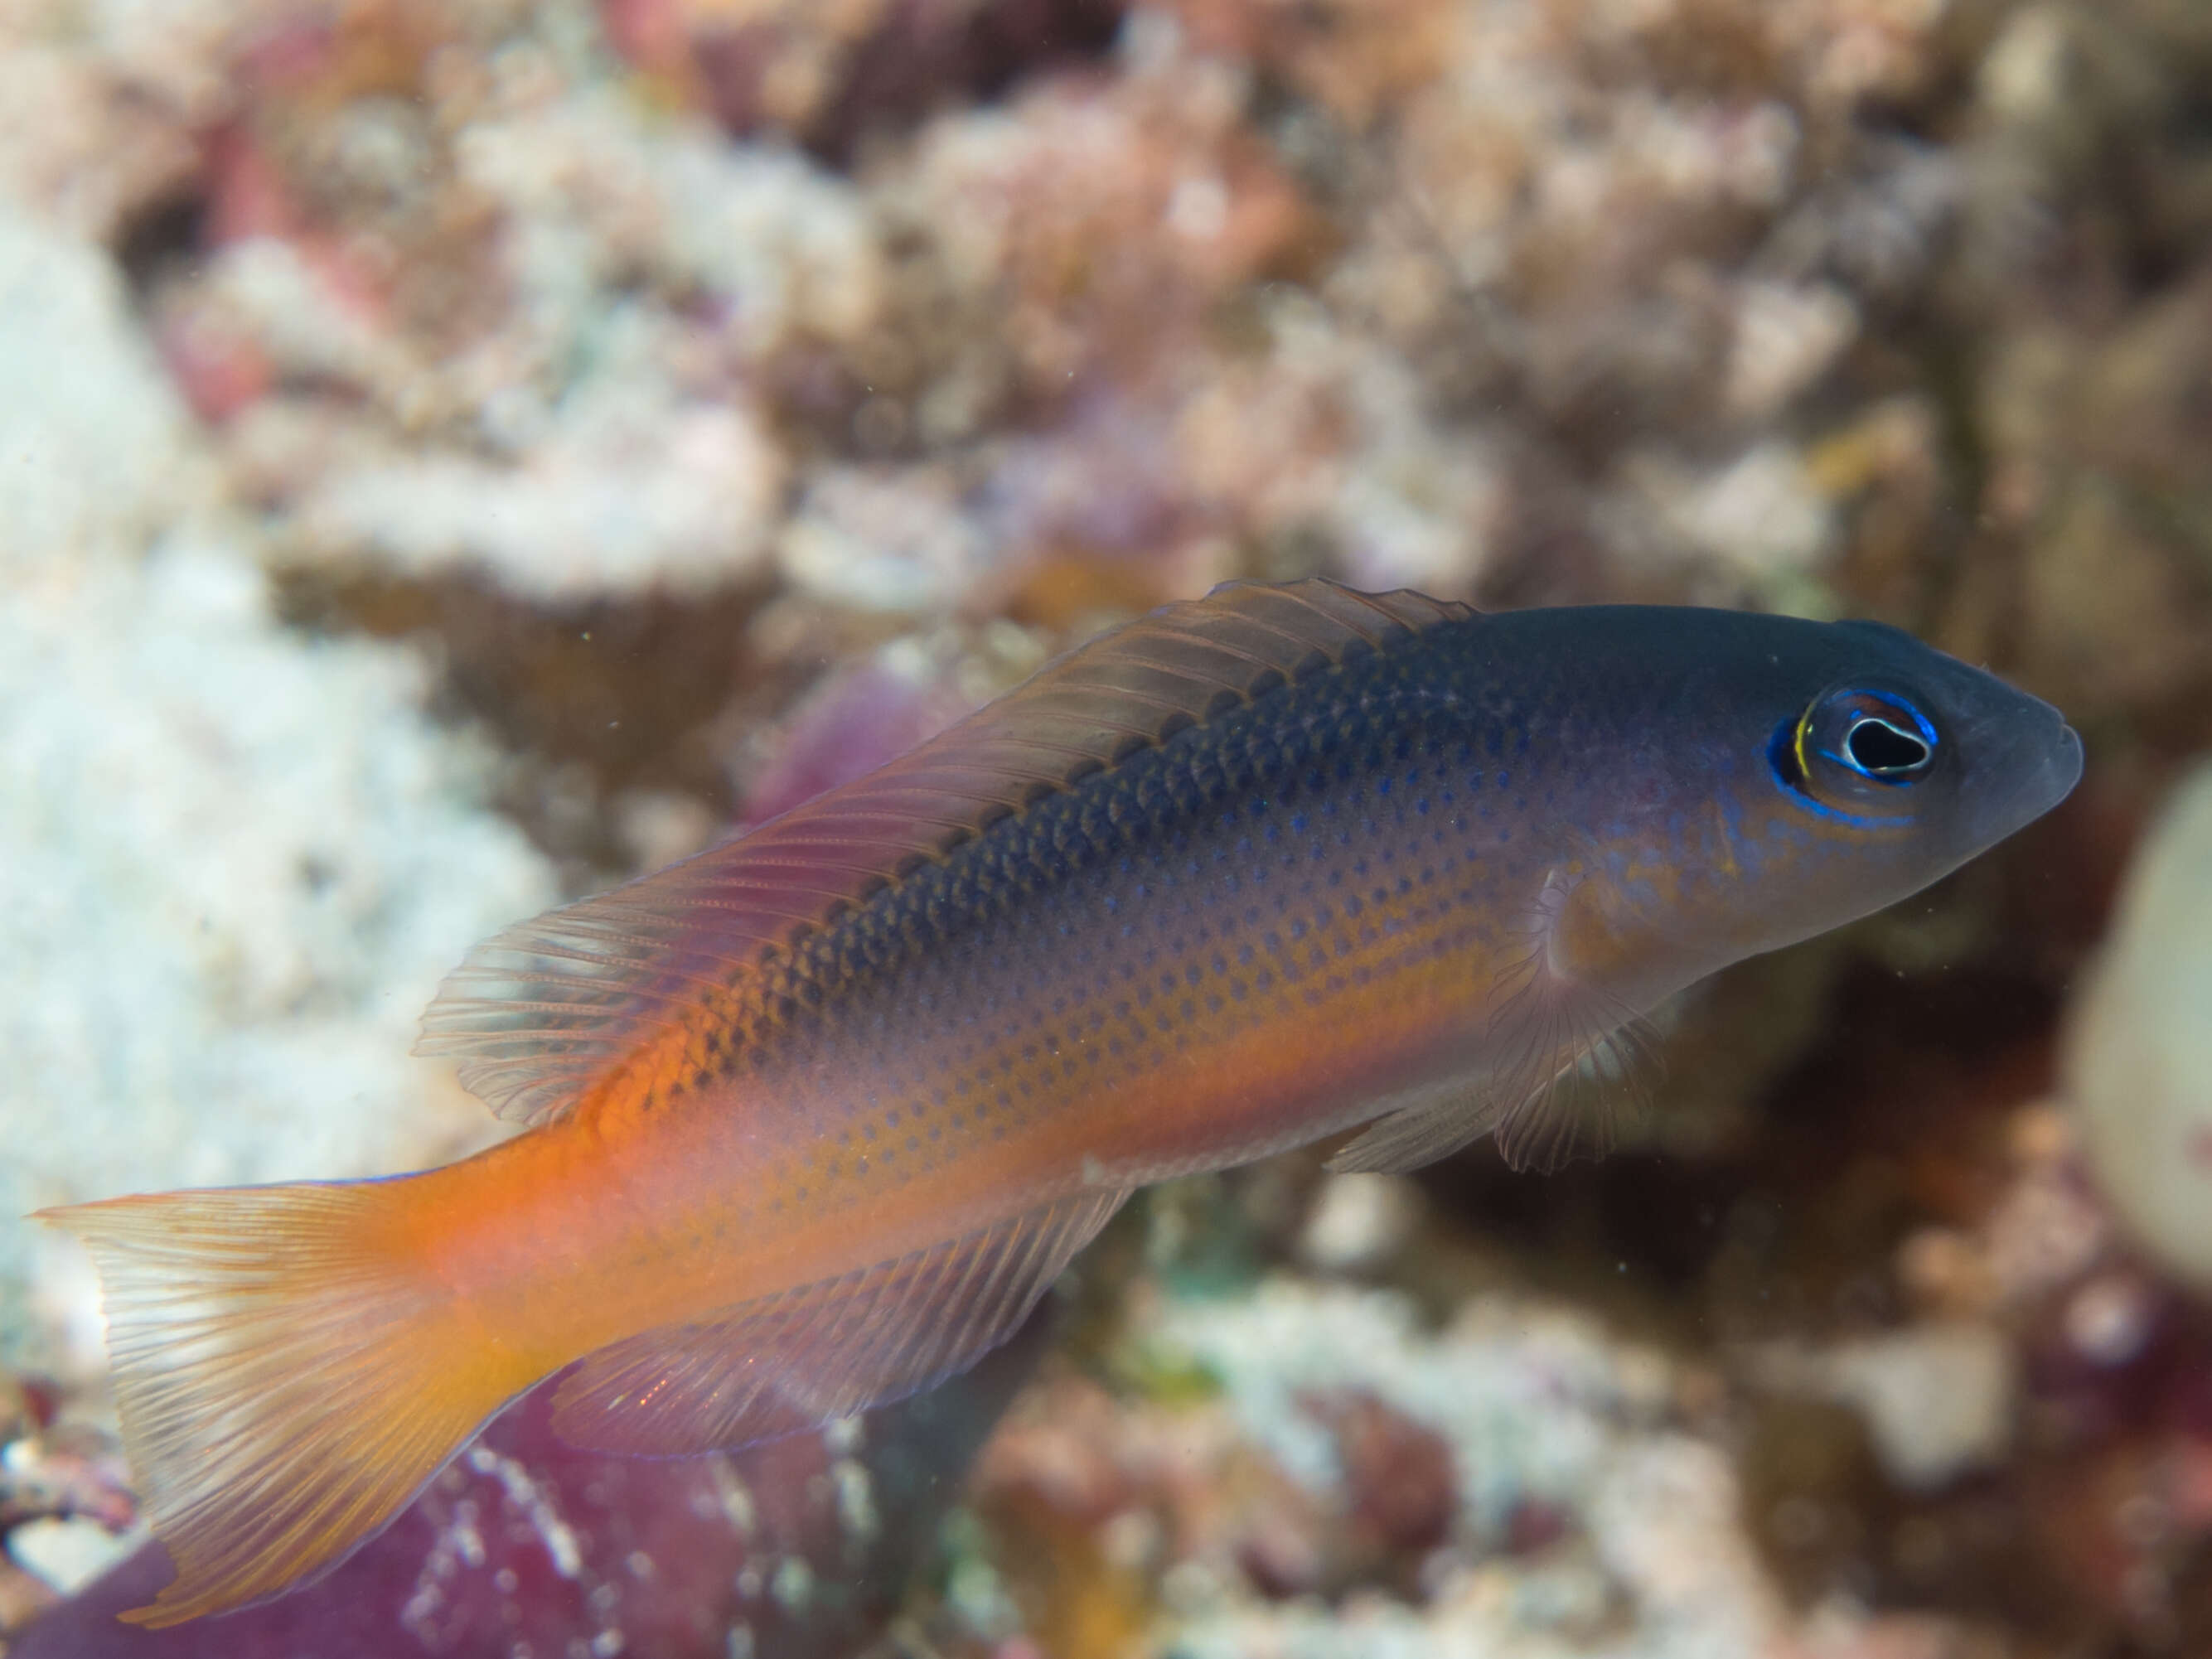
[(537, 1013)]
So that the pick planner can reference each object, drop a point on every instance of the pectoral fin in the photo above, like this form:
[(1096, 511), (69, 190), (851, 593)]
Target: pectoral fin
[(1560, 1061), (1576, 1110)]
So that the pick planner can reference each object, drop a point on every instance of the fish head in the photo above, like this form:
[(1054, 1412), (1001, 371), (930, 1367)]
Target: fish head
[(1863, 766)]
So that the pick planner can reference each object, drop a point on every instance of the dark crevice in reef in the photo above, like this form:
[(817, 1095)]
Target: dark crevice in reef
[(920, 60), (619, 694)]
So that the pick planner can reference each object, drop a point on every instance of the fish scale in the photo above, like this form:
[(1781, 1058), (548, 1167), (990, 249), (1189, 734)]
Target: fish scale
[(813, 1119), (1322, 757)]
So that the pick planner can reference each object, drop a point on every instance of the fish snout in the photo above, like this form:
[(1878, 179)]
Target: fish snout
[(2033, 760)]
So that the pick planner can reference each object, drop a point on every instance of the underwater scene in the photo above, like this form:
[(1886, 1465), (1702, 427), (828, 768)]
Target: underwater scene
[(1064, 829)]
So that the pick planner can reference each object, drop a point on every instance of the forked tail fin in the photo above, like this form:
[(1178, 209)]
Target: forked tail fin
[(287, 1376)]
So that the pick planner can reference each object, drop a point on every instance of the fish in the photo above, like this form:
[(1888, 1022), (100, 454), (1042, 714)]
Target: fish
[(813, 1119)]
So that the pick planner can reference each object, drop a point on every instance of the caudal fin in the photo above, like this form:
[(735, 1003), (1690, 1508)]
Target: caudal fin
[(286, 1379)]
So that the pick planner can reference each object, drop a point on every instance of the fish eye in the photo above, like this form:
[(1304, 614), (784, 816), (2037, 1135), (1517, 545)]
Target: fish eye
[(1879, 749), (1850, 752)]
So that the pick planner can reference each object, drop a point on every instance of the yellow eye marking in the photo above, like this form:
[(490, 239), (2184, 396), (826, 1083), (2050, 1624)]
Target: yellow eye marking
[(1804, 737)]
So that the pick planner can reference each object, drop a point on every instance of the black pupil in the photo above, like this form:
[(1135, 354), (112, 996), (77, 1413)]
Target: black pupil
[(1877, 746)]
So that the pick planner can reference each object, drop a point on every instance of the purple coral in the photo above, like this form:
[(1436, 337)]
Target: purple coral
[(528, 1548)]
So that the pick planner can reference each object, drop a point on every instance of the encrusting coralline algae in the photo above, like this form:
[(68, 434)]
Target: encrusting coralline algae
[(235, 857)]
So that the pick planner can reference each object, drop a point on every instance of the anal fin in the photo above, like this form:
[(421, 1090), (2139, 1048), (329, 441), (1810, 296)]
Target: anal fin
[(1431, 1124), (802, 1357)]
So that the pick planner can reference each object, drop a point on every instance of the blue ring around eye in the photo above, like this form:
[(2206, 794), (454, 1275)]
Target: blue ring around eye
[(1781, 766), (1896, 699)]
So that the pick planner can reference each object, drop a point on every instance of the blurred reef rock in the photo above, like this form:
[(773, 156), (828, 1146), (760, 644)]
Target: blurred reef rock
[(797, 1549), (2140, 1074), (235, 860)]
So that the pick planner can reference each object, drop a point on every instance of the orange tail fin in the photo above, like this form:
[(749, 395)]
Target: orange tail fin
[(287, 1380)]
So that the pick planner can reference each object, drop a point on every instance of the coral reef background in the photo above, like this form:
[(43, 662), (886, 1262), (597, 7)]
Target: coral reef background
[(457, 453)]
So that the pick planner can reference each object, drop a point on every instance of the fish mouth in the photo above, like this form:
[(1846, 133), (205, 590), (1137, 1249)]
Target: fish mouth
[(2042, 756), (2066, 763)]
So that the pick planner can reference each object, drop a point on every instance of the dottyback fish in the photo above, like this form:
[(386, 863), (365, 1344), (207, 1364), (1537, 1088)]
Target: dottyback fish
[(816, 1116)]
